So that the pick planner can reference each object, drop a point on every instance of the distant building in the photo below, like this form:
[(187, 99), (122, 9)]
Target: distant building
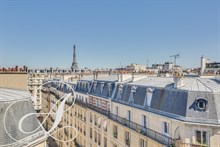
[(136, 67), (14, 78), (158, 66), (74, 66), (168, 66), (35, 80), (208, 67)]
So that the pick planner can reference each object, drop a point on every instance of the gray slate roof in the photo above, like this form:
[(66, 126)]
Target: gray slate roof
[(21, 105)]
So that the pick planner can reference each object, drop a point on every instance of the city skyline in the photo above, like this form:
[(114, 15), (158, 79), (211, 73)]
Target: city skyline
[(108, 34)]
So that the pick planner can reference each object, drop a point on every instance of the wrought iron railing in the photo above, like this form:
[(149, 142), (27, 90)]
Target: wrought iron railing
[(163, 139)]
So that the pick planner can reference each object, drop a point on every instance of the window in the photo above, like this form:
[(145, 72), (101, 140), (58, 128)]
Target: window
[(94, 86), (132, 94), (129, 115), (90, 116), (127, 138), (109, 89), (202, 137), (166, 128), (116, 110), (115, 131), (148, 97), (99, 139), (95, 120), (102, 87), (119, 93), (105, 125), (143, 143), (91, 133), (144, 121), (105, 142), (201, 104), (95, 136)]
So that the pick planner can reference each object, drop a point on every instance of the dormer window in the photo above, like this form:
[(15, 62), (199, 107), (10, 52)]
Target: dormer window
[(132, 93), (120, 90), (148, 97), (109, 89), (80, 84), (84, 86), (87, 86), (102, 87), (201, 104), (94, 86)]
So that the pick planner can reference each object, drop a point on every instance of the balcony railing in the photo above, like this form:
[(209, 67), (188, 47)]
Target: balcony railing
[(163, 139)]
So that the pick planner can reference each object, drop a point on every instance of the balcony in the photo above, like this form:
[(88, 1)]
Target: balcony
[(163, 139), (80, 103), (99, 110)]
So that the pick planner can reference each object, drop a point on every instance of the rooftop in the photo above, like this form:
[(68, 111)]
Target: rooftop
[(188, 83), (12, 94)]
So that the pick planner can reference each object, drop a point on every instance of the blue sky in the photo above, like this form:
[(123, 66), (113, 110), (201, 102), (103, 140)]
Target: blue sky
[(108, 33)]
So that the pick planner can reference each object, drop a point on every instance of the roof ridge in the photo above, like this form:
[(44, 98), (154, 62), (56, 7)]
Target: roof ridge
[(206, 86)]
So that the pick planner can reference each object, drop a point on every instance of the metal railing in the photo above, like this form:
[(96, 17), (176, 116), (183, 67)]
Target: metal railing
[(163, 139)]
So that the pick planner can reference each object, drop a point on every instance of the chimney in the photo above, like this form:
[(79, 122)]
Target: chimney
[(178, 82), (203, 64), (51, 70), (120, 77), (132, 78), (97, 74), (24, 68), (16, 68)]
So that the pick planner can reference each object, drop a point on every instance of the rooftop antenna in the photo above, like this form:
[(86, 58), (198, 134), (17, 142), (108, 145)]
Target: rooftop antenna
[(175, 57)]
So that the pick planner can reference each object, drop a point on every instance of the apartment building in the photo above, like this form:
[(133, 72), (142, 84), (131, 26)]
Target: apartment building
[(35, 80), (148, 111)]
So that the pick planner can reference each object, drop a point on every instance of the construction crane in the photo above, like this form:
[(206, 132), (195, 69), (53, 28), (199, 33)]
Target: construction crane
[(174, 63), (175, 56)]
